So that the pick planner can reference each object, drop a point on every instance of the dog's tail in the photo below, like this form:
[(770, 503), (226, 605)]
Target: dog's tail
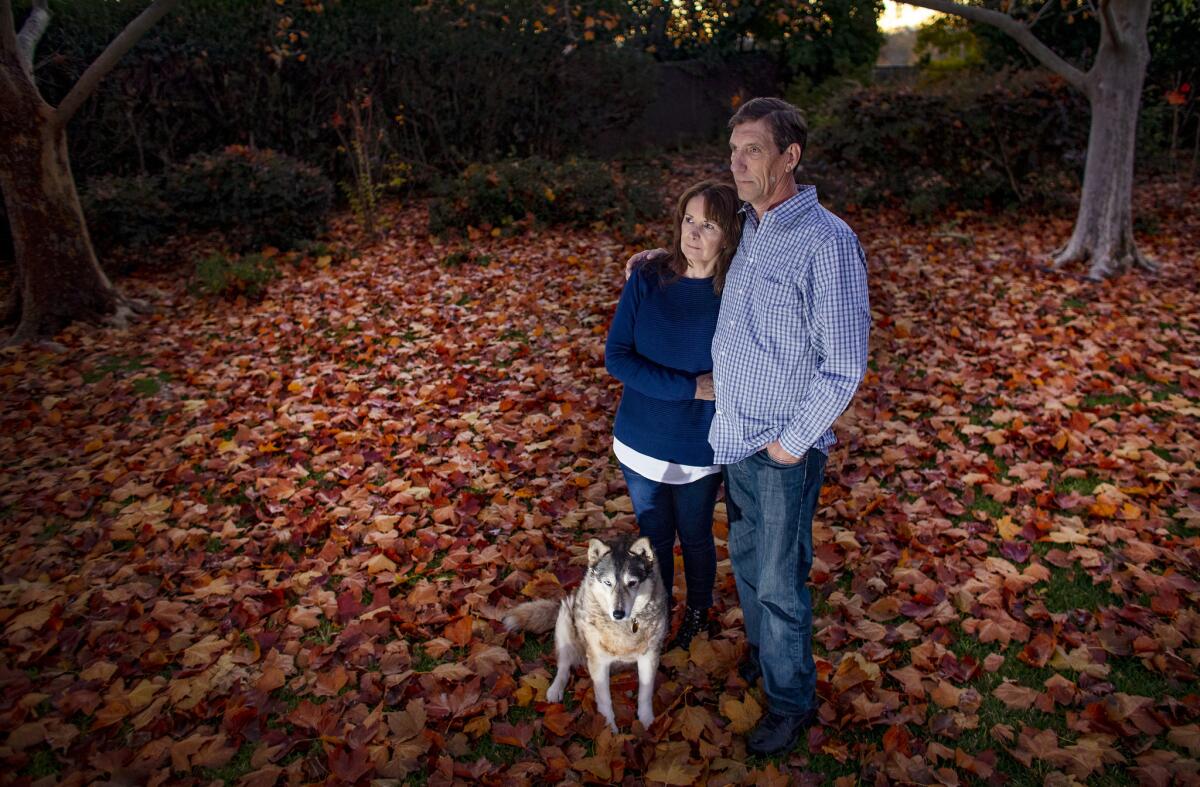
[(537, 616)]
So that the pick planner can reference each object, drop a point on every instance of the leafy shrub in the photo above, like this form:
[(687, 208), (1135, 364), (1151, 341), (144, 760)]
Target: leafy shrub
[(254, 197), (129, 212), (219, 72), (576, 192), (974, 143), (246, 276)]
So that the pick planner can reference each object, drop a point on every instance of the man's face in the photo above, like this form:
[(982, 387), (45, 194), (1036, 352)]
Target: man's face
[(758, 166)]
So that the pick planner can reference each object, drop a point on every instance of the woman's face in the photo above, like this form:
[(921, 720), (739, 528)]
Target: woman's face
[(699, 235)]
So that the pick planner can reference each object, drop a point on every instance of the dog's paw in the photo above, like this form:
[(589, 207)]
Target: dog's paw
[(554, 694), (646, 719), (612, 725)]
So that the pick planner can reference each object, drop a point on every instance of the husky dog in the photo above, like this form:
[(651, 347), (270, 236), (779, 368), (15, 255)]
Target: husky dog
[(618, 614)]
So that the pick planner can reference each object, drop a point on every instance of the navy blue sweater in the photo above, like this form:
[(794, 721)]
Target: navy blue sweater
[(660, 341)]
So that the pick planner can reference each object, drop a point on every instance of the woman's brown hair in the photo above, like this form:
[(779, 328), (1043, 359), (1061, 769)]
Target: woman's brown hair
[(721, 206)]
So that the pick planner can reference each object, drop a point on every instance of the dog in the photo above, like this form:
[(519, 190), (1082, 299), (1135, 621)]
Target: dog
[(617, 615)]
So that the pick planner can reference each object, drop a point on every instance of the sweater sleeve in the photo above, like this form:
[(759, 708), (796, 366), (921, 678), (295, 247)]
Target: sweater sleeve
[(624, 362)]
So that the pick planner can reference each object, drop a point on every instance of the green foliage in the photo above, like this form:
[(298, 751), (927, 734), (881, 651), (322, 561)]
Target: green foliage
[(815, 40), (128, 211), (515, 193), (254, 197), (946, 45), (452, 82), (974, 143), (248, 276), (1072, 31)]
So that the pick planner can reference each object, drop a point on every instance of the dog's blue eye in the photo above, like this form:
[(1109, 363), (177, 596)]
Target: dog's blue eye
[(607, 582)]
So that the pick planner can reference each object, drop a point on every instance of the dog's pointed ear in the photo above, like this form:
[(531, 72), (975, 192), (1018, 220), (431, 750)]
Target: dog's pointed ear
[(642, 548), (596, 550)]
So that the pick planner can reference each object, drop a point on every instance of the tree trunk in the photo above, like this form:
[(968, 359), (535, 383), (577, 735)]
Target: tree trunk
[(58, 278), (1103, 231)]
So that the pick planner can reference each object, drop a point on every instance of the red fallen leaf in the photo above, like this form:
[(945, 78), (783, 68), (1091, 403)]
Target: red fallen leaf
[(852, 670), (1014, 695), (742, 714), (672, 764), (557, 719), (599, 766), (692, 721), (517, 735), (350, 765), (330, 682), (215, 753), (1061, 690), (1079, 421), (1034, 743), (1165, 601), (1038, 651), (897, 738), (459, 632), (348, 607)]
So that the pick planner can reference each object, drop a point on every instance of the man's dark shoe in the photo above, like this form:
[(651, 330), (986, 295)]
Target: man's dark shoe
[(694, 621), (749, 669), (778, 733)]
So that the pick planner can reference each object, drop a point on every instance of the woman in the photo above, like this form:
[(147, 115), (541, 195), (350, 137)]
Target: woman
[(659, 347)]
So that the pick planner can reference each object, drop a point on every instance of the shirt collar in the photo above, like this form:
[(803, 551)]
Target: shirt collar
[(790, 210)]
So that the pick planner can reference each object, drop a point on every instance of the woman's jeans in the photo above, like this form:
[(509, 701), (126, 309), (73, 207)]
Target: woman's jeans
[(664, 510), (771, 507)]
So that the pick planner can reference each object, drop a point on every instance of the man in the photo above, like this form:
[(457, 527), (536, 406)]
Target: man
[(789, 352), (788, 355)]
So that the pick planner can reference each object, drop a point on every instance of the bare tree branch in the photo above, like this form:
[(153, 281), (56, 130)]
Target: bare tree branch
[(100, 67), (1041, 11), (8, 29), (1109, 24), (31, 32), (1018, 31)]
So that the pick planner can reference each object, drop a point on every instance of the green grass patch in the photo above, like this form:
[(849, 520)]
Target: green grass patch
[(1130, 675), (324, 632), (422, 661), (42, 763), (535, 648), (1180, 528), (980, 415), (114, 365), (1075, 588), (51, 530), (1082, 486), (518, 714), (493, 752), (988, 505), (150, 386), (1094, 401)]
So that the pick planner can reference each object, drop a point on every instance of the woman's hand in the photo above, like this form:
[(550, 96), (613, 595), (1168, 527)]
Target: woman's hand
[(639, 258), (704, 387)]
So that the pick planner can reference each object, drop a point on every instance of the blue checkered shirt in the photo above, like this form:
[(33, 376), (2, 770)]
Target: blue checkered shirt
[(791, 341)]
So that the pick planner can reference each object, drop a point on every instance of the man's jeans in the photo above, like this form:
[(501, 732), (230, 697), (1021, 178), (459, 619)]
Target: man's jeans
[(771, 509), (687, 509)]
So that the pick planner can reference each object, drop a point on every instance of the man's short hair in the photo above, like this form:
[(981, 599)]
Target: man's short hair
[(785, 121)]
